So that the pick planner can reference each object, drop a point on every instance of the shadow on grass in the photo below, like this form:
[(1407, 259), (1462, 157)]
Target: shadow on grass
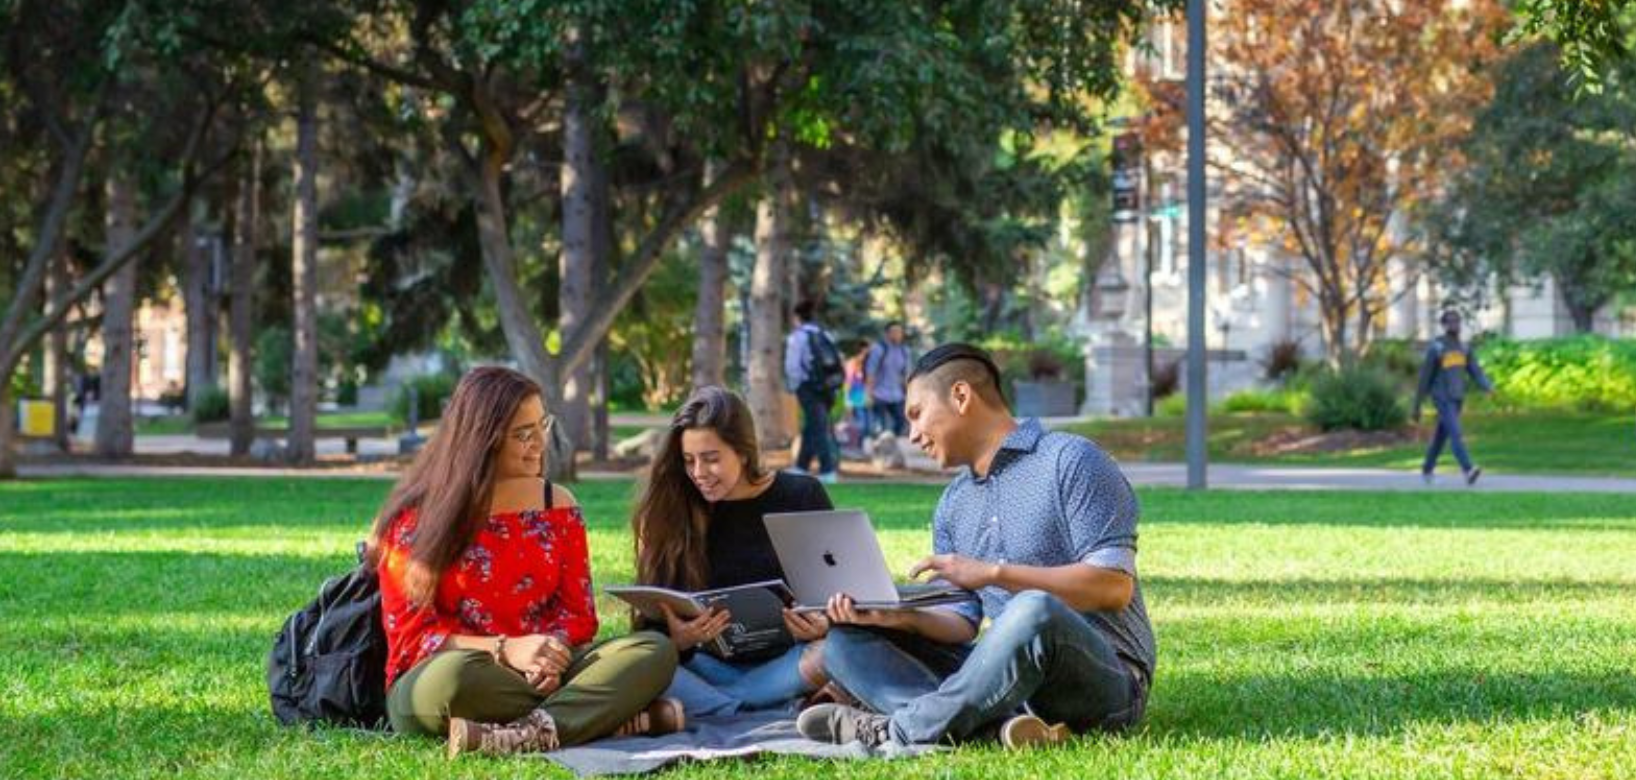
[(1389, 590), (1323, 705), (1443, 510)]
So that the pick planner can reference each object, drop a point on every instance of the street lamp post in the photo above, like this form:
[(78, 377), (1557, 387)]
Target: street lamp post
[(1196, 477)]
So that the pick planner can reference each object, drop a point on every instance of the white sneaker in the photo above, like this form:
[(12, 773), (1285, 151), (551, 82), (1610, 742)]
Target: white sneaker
[(1028, 731), (829, 477)]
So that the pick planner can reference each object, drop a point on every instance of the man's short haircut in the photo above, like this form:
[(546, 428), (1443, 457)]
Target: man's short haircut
[(890, 324), (806, 309), (956, 362), (1447, 313)]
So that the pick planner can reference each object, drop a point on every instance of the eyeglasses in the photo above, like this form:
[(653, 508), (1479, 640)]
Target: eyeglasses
[(530, 434)]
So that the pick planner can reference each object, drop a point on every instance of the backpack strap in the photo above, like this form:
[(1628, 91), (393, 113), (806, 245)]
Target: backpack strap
[(550, 495)]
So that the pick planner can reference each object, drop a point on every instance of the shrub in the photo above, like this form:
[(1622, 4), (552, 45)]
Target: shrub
[(1043, 364), (346, 392), (1261, 401), (1173, 405), (431, 389), (1357, 397), (273, 356), (1283, 359), (1023, 360), (1591, 373), (173, 398), (1398, 359), (213, 405), (1167, 377)]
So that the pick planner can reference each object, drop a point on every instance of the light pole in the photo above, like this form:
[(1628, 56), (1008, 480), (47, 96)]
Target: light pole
[(1196, 477)]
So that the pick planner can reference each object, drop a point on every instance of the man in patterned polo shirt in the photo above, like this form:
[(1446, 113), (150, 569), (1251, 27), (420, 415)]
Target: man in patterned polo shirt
[(1043, 526)]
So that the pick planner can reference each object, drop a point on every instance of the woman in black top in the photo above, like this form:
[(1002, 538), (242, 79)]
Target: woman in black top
[(699, 527)]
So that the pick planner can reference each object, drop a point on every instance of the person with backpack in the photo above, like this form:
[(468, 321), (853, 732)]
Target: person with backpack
[(886, 371), (814, 371), (486, 592)]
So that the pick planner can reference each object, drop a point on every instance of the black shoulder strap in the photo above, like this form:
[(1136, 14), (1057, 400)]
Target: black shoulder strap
[(550, 495)]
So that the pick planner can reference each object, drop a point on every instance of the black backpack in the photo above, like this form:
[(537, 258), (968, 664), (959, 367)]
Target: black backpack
[(328, 663), (825, 372)]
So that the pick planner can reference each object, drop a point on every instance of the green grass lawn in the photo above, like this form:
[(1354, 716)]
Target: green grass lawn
[(1300, 634), (181, 424), (1502, 442), (168, 425)]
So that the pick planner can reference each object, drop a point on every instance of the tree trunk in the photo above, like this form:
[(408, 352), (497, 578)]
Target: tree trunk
[(201, 311), (601, 431), (56, 351), (1581, 302), (304, 275), (602, 211), (1584, 317), (523, 336), (14, 338), (115, 436), (8, 427), (576, 265), (766, 391), (1333, 313), (240, 319), (710, 318)]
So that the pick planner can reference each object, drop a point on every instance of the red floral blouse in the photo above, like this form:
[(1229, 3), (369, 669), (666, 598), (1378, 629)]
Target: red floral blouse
[(525, 572)]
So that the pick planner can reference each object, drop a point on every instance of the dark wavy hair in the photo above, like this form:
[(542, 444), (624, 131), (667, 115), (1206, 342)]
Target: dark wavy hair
[(672, 518), (451, 482)]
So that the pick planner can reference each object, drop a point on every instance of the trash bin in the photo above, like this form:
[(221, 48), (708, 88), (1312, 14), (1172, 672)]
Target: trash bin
[(37, 419)]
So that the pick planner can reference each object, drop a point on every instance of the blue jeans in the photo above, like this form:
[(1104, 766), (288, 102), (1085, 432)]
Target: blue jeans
[(889, 416), (707, 685), (1448, 429), (816, 436), (1039, 656)]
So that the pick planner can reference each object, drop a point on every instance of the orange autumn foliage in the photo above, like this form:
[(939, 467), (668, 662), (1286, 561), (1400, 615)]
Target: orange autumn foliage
[(1329, 124)]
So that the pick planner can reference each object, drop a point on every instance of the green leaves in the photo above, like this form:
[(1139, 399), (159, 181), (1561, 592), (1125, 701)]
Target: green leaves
[(1548, 188), (1593, 36)]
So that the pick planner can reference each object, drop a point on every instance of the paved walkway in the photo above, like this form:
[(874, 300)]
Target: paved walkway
[(1222, 476)]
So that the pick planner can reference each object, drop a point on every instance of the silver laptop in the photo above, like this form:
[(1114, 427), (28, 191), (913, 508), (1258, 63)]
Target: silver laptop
[(824, 553)]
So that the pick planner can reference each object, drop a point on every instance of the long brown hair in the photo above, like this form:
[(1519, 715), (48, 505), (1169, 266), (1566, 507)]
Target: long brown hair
[(672, 519), (452, 480)]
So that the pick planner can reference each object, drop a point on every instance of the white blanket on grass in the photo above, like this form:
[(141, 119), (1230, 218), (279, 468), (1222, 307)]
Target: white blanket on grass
[(708, 739)]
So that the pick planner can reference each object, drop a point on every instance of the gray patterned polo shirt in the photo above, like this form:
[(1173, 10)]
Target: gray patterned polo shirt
[(1050, 499)]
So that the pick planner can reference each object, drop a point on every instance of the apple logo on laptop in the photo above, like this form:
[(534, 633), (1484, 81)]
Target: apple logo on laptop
[(829, 558)]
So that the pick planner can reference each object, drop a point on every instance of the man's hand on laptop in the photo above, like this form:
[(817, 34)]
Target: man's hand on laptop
[(687, 634), (841, 611), (957, 570)]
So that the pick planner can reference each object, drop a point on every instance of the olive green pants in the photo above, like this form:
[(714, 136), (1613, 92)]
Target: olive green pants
[(605, 685)]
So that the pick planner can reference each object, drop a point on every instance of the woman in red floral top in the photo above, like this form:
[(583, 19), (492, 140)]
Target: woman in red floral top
[(486, 592)]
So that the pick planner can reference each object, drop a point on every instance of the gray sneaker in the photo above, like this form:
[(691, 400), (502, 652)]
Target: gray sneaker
[(839, 724), (1473, 474)]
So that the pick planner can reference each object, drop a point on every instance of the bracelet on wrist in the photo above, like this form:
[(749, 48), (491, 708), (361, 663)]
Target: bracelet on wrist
[(499, 649)]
